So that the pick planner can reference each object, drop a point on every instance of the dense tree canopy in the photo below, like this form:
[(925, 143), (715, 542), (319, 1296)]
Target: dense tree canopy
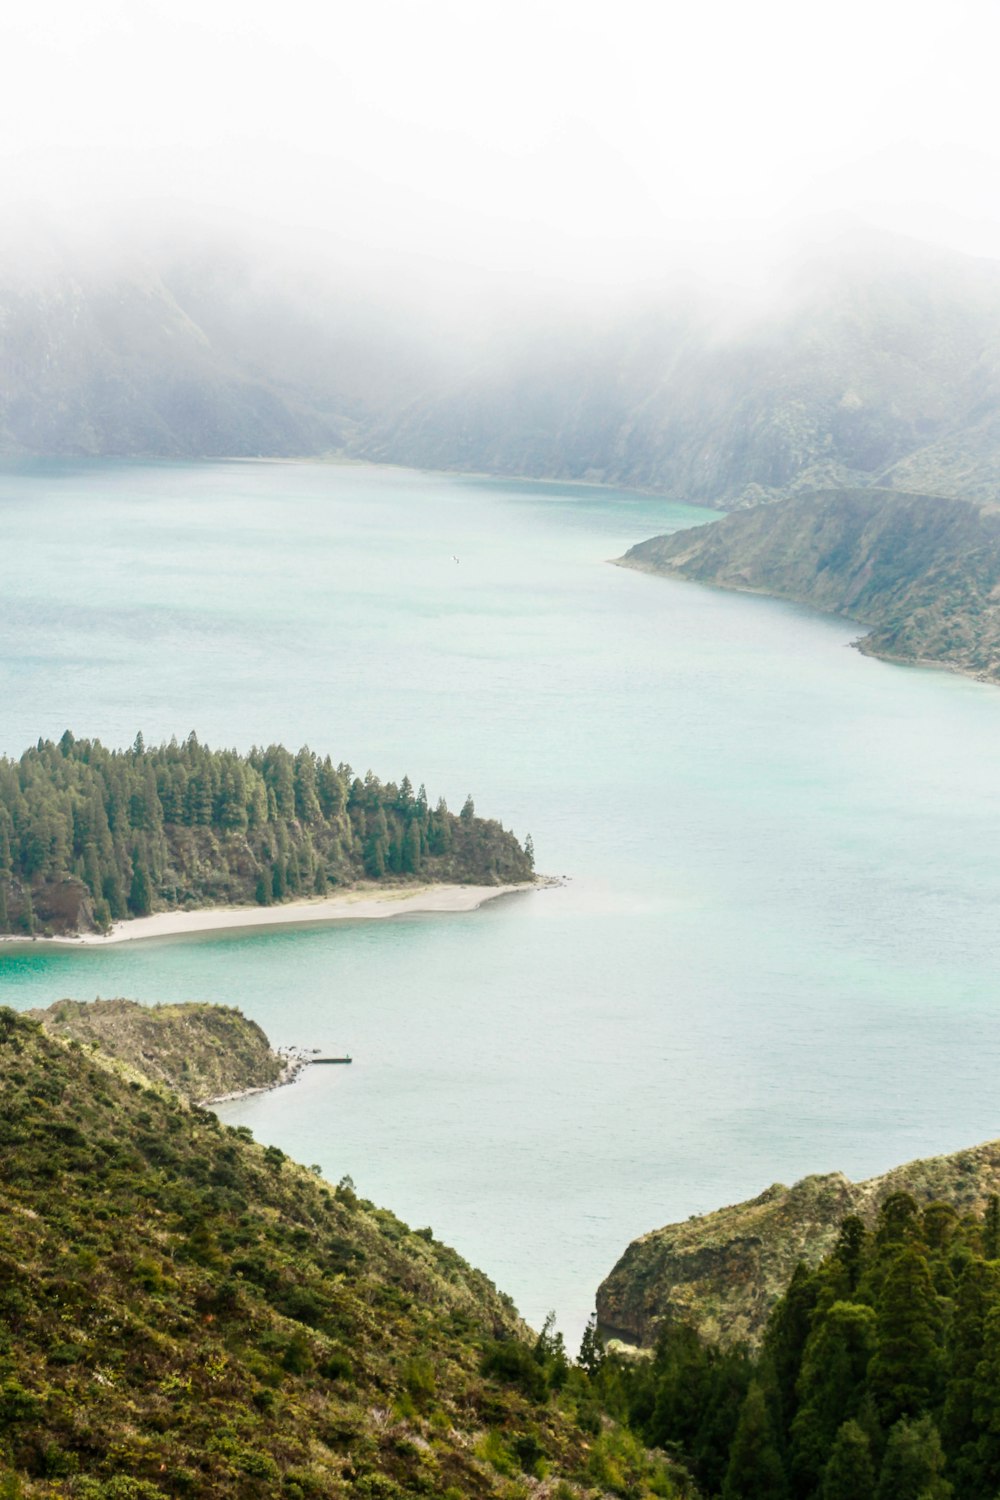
[(879, 1377), (90, 835)]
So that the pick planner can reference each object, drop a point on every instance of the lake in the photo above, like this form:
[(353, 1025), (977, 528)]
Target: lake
[(777, 948)]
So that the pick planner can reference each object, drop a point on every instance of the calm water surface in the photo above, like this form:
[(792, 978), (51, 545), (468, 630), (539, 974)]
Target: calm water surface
[(777, 952)]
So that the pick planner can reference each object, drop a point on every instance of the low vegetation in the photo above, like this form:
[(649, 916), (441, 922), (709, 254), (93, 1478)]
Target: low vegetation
[(185, 1313), (200, 1051), (89, 836), (722, 1273)]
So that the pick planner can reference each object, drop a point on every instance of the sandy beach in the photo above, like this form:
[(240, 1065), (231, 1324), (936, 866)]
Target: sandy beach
[(365, 903)]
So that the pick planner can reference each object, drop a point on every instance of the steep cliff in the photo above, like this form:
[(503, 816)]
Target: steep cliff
[(721, 1273)]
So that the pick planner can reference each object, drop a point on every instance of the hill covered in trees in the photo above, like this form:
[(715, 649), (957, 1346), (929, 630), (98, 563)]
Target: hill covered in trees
[(90, 835), (185, 1313), (878, 1377), (921, 571)]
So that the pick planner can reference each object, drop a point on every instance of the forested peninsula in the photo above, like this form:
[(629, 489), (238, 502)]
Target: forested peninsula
[(91, 835), (921, 571)]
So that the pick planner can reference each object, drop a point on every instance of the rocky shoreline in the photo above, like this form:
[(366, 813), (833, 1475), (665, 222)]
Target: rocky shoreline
[(295, 1062)]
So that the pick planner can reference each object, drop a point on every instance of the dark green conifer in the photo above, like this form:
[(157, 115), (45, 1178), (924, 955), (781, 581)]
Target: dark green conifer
[(755, 1471), (591, 1355), (850, 1473), (964, 1430), (913, 1466), (905, 1370), (831, 1385), (986, 1407)]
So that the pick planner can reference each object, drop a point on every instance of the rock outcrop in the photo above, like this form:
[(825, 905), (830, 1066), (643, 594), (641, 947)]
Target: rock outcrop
[(722, 1273)]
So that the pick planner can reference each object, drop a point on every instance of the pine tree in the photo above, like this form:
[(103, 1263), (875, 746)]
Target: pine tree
[(140, 899), (755, 1470), (591, 1356), (850, 1249), (849, 1474), (905, 1370), (27, 919), (411, 848), (831, 1385), (986, 1404), (786, 1338), (898, 1221), (913, 1466)]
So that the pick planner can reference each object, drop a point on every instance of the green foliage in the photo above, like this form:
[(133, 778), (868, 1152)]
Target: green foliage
[(849, 1473), (755, 1470), (90, 835), (912, 1468), (211, 1322), (878, 1378)]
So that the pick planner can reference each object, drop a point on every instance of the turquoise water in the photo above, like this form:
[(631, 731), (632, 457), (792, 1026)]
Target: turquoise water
[(777, 951)]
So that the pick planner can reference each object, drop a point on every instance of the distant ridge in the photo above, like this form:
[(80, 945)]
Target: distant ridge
[(923, 572), (872, 363)]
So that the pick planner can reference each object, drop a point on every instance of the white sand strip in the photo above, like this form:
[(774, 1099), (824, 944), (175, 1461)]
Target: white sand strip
[(362, 904)]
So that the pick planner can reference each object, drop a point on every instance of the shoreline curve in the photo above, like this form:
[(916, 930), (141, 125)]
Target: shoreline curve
[(359, 904)]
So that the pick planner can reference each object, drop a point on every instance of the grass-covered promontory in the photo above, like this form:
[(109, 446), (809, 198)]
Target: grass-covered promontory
[(89, 835), (200, 1051), (185, 1313), (921, 571)]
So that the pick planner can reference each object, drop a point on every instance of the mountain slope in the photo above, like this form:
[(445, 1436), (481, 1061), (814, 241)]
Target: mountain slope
[(875, 361), (876, 365), (922, 571), (722, 1273), (185, 1313)]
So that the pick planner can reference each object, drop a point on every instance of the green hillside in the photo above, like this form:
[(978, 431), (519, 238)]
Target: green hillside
[(722, 1273), (186, 1313), (90, 835), (922, 572), (200, 1051)]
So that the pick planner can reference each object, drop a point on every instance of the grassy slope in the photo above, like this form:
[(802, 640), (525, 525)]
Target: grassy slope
[(202, 1051), (183, 1312), (723, 1272), (923, 572)]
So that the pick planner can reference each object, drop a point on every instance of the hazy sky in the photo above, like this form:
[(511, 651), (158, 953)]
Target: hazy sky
[(525, 135)]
